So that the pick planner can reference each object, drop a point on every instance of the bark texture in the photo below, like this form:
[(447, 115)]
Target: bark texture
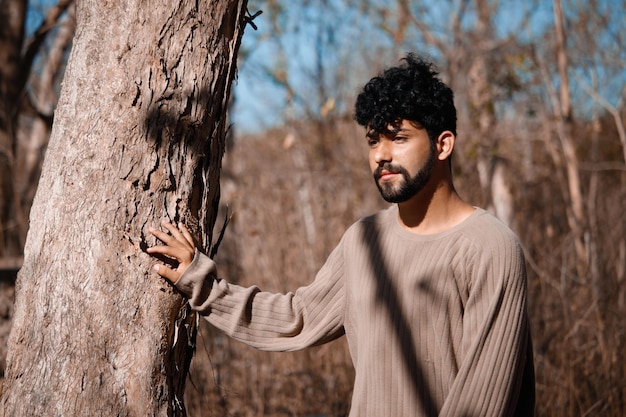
[(138, 137)]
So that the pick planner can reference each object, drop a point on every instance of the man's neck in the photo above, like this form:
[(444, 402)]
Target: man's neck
[(433, 210)]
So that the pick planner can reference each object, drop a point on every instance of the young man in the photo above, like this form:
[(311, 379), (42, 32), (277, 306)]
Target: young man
[(430, 293)]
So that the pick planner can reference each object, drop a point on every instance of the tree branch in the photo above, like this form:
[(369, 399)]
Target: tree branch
[(613, 110), (33, 45)]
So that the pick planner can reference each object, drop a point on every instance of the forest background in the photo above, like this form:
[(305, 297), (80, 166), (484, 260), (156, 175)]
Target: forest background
[(540, 89)]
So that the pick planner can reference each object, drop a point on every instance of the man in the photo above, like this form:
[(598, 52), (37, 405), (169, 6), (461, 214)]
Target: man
[(430, 293)]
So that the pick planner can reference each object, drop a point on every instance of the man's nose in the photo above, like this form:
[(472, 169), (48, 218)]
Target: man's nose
[(382, 153)]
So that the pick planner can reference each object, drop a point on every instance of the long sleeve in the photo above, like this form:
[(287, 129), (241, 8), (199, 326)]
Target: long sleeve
[(437, 324), (496, 354), (312, 315)]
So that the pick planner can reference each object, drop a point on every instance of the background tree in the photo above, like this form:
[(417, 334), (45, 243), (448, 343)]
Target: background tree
[(138, 137), (12, 15), (21, 57)]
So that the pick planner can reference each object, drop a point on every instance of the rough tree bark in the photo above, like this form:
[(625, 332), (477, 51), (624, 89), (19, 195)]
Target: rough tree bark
[(138, 137)]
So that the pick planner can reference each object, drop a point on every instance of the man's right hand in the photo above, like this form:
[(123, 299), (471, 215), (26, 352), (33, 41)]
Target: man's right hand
[(178, 245)]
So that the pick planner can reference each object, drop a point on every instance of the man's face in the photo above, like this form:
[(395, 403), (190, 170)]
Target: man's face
[(401, 161)]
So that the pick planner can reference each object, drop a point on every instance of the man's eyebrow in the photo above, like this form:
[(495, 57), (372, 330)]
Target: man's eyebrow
[(372, 134)]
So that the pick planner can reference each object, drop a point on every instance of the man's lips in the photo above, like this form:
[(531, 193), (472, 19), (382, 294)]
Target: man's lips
[(385, 175)]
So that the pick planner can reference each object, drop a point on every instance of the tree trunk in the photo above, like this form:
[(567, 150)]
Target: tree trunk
[(138, 137), (33, 135), (576, 212), (497, 196)]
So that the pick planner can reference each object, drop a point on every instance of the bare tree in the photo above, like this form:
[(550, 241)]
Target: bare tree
[(17, 69), (564, 118), (12, 14), (138, 137)]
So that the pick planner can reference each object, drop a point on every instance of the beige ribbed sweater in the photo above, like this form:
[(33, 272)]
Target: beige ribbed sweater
[(436, 324)]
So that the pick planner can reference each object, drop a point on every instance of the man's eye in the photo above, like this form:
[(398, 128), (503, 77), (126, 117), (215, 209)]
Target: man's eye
[(372, 142)]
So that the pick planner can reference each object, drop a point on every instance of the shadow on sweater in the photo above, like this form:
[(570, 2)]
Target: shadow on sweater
[(401, 325)]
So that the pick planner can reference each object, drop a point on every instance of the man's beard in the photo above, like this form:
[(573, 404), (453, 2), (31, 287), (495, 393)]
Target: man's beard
[(410, 186)]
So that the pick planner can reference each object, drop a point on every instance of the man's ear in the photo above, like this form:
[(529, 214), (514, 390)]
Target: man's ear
[(445, 145)]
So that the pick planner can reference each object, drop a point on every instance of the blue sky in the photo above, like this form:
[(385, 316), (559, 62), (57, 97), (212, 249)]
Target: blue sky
[(346, 33), (259, 103)]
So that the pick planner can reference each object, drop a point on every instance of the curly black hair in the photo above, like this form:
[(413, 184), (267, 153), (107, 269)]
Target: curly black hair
[(410, 91)]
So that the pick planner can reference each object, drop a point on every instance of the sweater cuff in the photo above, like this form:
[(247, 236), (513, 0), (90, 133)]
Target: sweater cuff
[(195, 282)]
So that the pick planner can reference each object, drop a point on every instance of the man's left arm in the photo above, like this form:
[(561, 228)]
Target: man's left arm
[(497, 354)]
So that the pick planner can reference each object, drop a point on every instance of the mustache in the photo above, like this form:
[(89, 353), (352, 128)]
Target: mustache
[(388, 167)]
